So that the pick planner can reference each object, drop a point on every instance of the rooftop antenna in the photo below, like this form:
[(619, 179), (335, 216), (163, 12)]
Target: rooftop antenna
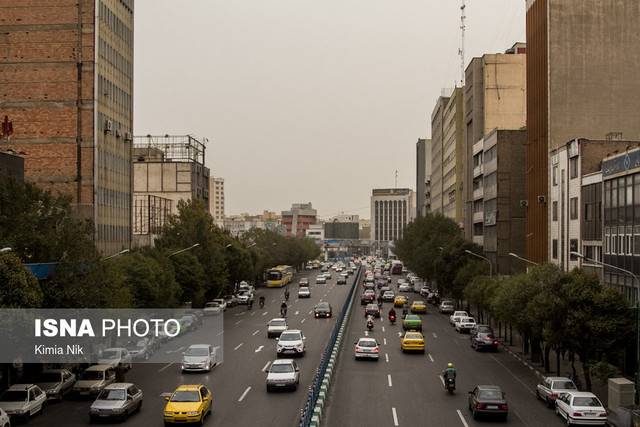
[(396, 174), (463, 27)]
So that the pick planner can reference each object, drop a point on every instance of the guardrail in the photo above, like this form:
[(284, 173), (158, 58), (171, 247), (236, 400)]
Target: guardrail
[(311, 412)]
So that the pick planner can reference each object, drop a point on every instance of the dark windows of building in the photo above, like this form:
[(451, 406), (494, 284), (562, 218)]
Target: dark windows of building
[(554, 248), (573, 167), (573, 247), (573, 208), (554, 210), (555, 175)]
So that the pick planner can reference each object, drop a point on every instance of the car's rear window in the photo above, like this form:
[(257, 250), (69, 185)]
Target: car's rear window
[(367, 343), (564, 385), (490, 394), (586, 401)]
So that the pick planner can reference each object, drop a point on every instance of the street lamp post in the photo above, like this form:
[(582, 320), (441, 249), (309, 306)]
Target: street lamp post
[(481, 257), (637, 283), (7, 249), (522, 258), (184, 250), (122, 252)]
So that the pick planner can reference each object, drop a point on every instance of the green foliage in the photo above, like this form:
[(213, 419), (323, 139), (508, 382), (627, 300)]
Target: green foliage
[(19, 289), (191, 277)]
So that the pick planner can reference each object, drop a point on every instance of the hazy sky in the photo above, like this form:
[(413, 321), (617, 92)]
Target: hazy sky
[(306, 100)]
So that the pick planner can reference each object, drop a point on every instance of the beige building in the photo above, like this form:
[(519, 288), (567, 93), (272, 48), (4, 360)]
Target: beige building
[(216, 200), (453, 159), (494, 99), (437, 138)]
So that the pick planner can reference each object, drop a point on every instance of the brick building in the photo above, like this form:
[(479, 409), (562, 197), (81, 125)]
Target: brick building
[(67, 86), (297, 220)]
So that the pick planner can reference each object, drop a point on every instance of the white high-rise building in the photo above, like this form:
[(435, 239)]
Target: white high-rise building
[(216, 200), (391, 210)]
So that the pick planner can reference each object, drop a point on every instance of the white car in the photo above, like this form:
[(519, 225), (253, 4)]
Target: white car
[(22, 400), (56, 383), (199, 357), (221, 302), (276, 326), (321, 280), (283, 373), (244, 297), (456, 316), (4, 419), (327, 275), (404, 287), (303, 282), (465, 324), (212, 308), (118, 357), (291, 342), (581, 407), (304, 293), (367, 348)]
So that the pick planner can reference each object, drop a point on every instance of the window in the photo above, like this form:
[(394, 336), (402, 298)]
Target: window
[(588, 212), (554, 210), (573, 208), (613, 250), (573, 167), (554, 249), (555, 175), (573, 247)]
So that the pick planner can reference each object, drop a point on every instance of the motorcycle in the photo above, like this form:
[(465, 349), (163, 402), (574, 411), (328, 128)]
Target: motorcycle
[(286, 296), (450, 385), (261, 303), (370, 325), (392, 319), (283, 312)]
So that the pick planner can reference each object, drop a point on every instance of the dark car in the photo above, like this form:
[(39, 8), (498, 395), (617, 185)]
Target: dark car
[(341, 280), (369, 285), (380, 283), (367, 297), (372, 309), (323, 309), (488, 400), (483, 338), (231, 300)]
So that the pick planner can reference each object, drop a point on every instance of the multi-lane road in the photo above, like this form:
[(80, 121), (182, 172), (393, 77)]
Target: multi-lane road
[(238, 385), (406, 389)]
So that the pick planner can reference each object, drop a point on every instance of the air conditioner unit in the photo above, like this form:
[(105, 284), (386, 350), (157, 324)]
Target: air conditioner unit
[(524, 203), (108, 126), (542, 199)]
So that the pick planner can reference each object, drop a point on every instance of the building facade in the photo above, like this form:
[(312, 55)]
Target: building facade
[(391, 210), (298, 219), (581, 80), (423, 176), (70, 100), (437, 141), (216, 200), (453, 160), (316, 232), (11, 166), (494, 98)]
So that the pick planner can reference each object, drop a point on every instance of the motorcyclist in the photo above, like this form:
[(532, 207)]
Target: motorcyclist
[(370, 322), (405, 310), (261, 301), (283, 309), (286, 294), (250, 304), (392, 315), (449, 372)]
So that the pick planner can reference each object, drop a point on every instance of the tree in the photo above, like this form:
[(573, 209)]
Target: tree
[(20, 289), (451, 260), (191, 278)]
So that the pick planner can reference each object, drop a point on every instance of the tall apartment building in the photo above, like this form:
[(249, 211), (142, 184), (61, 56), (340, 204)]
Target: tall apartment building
[(453, 159), (437, 141), (216, 200), (581, 81), (423, 176), (391, 210), (67, 79), (297, 220)]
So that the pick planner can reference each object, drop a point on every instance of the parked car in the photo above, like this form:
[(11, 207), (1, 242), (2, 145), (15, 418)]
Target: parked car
[(221, 302), (22, 401), (118, 357), (283, 374), (456, 316), (483, 338), (323, 309), (551, 387), (372, 310), (230, 300), (244, 297), (291, 341), (276, 326), (446, 307), (366, 348), (93, 379), (304, 292), (4, 419), (199, 357), (56, 383), (488, 400), (212, 308), (117, 400), (581, 407), (465, 324)]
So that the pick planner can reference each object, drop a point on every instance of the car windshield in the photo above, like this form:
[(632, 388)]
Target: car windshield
[(110, 354), (564, 385), (485, 329), (290, 336), (92, 375), (412, 317), (50, 377), (278, 323), (274, 275), (586, 401), (281, 368), (468, 320), (14, 396), (185, 396), (112, 395), (490, 394), (367, 343), (197, 351), (413, 336), (212, 304)]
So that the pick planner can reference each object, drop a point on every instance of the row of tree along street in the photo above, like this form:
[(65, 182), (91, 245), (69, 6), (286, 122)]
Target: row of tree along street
[(572, 313), (40, 228)]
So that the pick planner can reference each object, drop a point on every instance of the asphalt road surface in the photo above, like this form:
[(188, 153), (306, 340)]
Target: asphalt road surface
[(238, 384), (406, 389)]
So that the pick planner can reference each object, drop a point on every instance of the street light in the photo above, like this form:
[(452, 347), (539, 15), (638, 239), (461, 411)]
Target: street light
[(251, 245), (481, 257), (122, 252), (184, 250), (522, 258), (228, 246), (7, 249), (635, 278)]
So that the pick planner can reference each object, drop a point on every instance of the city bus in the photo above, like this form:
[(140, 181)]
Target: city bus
[(279, 276), (396, 267)]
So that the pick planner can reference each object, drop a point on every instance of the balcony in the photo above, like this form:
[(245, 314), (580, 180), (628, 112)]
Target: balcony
[(477, 171), (478, 147), (478, 240), (478, 217), (491, 166), (478, 193)]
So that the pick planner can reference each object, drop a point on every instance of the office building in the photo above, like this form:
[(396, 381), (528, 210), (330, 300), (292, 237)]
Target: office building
[(216, 200), (453, 159), (582, 58), (316, 232), (298, 219), (437, 140), (423, 176), (391, 210), (70, 101)]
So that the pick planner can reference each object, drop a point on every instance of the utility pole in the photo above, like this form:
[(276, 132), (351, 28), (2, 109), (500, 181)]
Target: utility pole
[(396, 175), (463, 27)]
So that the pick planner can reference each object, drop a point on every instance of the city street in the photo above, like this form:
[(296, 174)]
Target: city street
[(238, 385), (406, 389)]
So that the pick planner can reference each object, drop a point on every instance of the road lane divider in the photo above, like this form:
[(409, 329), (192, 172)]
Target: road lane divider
[(265, 313), (244, 394), (266, 367), (256, 332), (464, 422), (386, 357), (395, 417), (389, 380), (431, 358), (238, 346), (259, 349)]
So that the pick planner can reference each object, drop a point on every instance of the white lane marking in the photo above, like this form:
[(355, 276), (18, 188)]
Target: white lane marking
[(434, 335), (219, 333), (238, 322), (395, 417), (441, 379), (383, 329), (386, 357), (296, 313), (266, 367), (464, 422), (310, 311), (265, 313), (389, 380), (244, 394), (259, 349), (253, 313), (165, 367), (528, 388), (238, 346), (302, 321), (240, 314), (384, 340), (256, 332), (431, 358)]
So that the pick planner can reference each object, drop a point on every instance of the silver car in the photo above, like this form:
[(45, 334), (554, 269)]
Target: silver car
[(276, 326), (22, 400), (118, 400), (283, 373), (56, 382), (199, 357)]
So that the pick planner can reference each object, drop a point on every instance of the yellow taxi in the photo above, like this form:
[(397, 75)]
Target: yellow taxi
[(188, 404), (412, 341), (418, 307), (399, 301)]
